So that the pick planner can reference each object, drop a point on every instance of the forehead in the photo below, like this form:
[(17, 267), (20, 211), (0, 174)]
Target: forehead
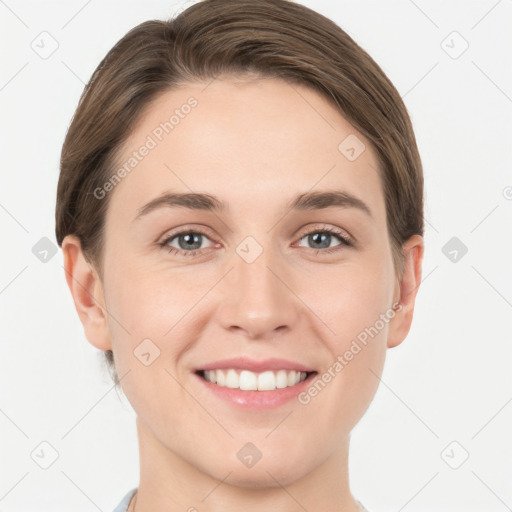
[(249, 142)]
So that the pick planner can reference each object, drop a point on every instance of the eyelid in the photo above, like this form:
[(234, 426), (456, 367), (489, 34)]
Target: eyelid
[(346, 239), (193, 228), (342, 233)]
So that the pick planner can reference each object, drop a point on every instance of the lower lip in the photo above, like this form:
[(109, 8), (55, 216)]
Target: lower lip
[(257, 399)]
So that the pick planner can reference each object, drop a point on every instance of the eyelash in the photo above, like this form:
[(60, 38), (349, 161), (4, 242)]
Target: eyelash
[(345, 241)]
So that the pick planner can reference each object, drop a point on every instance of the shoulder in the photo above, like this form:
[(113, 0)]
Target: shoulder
[(123, 505)]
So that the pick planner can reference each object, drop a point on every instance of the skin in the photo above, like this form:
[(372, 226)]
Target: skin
[(255, 144)]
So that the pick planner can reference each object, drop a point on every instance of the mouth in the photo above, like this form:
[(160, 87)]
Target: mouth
[(246, 380), (254, 384)]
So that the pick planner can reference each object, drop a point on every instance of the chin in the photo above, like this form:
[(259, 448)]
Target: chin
[(275, 471), (253, 479)]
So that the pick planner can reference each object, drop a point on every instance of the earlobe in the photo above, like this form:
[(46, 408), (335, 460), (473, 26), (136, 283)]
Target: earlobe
[(87, 292), (408, 287)]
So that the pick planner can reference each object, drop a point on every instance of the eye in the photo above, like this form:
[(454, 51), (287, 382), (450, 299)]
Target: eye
[(189, 242), (321, 238)]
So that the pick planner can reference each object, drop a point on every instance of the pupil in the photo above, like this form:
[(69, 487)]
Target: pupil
[(316, 236), (193, 238)]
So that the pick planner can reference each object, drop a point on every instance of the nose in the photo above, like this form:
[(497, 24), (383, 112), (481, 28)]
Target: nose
[(257, 297)]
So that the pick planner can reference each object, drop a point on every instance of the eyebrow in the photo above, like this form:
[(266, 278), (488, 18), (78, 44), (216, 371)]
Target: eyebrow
[(208, 202)]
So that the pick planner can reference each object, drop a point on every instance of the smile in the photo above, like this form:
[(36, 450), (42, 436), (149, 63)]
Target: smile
[(246, 380)]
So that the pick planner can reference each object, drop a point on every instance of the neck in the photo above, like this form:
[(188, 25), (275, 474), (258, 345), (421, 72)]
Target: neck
[(168, 482)]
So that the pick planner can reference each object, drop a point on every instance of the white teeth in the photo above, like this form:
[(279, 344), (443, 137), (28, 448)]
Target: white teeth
[(250, 381), (281, 379), (266, 381), (220, 377), (247, 381), (232, 379)]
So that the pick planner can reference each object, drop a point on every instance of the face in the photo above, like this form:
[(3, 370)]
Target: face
[(274, 283)]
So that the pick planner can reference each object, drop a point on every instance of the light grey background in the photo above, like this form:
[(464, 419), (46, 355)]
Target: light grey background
[(448, 385)]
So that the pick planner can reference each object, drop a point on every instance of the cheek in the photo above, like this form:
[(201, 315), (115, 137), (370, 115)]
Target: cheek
[(150, 300), (351, 298), (144, 309), (152, 331), (356, 305)]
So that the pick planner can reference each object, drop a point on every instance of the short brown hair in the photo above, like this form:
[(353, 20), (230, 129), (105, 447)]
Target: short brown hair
[(268, 38)]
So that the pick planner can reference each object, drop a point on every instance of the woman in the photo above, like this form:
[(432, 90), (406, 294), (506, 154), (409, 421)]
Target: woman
[(240, 209)]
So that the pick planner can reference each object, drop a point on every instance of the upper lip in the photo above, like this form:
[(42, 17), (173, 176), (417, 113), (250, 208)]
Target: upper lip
[(244, 363)]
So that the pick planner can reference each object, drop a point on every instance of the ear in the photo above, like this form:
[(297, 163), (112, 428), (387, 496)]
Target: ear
[(87, 291), (406, 290)]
